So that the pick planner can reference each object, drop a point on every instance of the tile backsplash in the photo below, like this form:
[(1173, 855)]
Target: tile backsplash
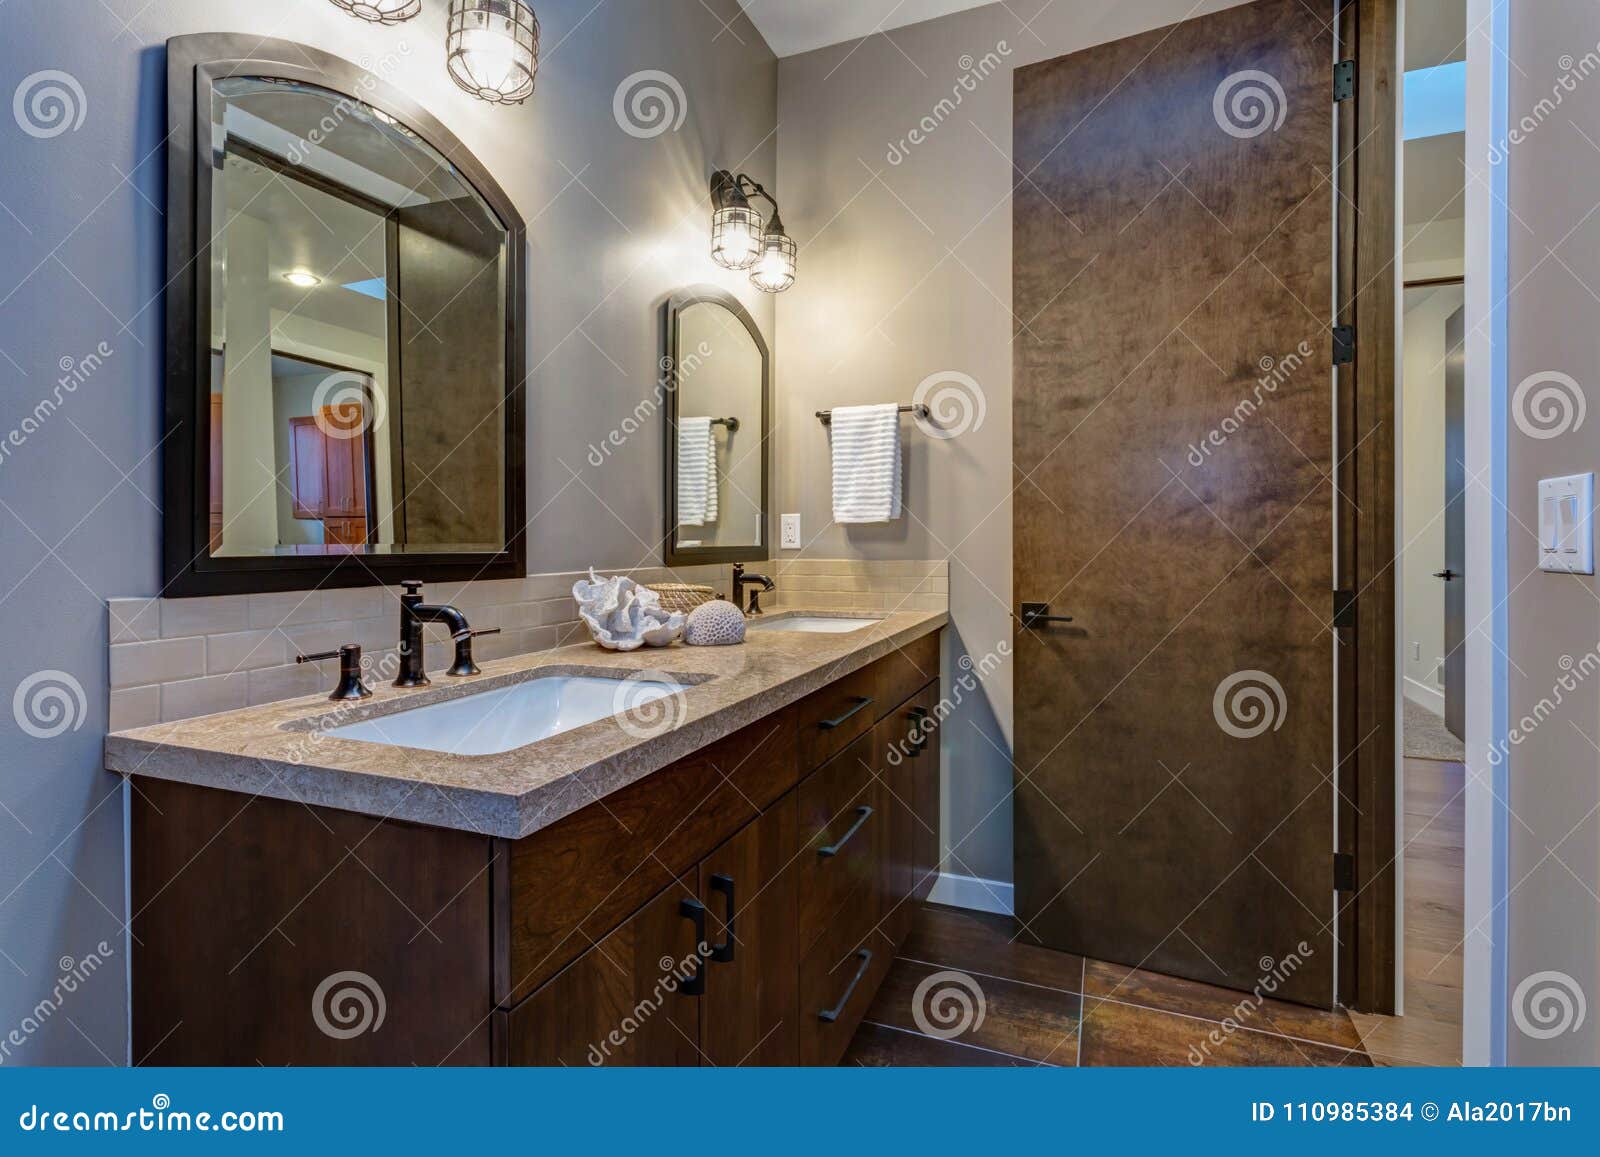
[(179, 658)]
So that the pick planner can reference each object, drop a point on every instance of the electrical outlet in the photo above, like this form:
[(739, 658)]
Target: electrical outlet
[(791, 532)]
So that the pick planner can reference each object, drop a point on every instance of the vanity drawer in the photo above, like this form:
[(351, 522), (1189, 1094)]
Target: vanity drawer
[(842, 834), (838, 979), (903, 672), (829, 720), (573, 882)]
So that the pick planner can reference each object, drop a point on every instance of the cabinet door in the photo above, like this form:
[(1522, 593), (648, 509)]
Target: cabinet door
[(307, 469), (631, 999), (908, 759), (345, 451), (926, 775), (748, 1014), (842, 826)]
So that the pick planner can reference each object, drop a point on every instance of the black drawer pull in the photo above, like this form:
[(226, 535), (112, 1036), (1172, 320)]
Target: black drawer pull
[(830, 724), (920, 726), (863, 814), (723, 953), (694, 910), (832, 1014)]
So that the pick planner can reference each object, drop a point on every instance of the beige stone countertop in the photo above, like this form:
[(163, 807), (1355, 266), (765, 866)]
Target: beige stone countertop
[(280, 749)]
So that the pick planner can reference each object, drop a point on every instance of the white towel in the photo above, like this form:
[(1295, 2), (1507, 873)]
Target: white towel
[(697, 472), (866, 463)]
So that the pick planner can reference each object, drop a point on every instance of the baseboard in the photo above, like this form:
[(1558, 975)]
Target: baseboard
[(972, 892), (1430, 698)]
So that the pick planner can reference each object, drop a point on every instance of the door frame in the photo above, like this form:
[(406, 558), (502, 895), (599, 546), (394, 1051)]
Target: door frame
[(1367, 298)]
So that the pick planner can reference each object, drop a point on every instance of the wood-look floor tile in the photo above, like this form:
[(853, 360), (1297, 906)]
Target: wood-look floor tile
[(981, 942), (878, 1046), (1126, 1035), (1020, 1020), (1153, 990)]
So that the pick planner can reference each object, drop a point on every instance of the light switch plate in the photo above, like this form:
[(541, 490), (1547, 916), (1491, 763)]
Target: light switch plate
[(791, 532), (1566, 524)]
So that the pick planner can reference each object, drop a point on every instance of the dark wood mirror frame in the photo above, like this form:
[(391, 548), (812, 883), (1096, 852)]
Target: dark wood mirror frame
[(672, 555), (194, 64)]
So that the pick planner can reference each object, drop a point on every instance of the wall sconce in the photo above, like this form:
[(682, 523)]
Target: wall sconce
[(741, 240), (492, 49), (381, 11)]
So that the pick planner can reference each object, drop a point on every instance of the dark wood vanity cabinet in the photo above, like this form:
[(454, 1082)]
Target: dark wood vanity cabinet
[(740, 906)]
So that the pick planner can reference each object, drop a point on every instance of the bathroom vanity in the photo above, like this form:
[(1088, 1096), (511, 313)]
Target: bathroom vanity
[(721, 878)]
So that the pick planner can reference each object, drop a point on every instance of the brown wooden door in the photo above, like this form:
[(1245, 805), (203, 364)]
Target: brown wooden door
[(623, 1002), (1172, 396), (748, 1015)]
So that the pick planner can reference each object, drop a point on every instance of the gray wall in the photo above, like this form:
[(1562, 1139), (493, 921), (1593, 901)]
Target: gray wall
[(905, 272), (615, 223), (1554, 271)]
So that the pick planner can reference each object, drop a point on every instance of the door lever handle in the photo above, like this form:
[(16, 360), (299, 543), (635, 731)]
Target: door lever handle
[(1447, 574), (1038, 615)]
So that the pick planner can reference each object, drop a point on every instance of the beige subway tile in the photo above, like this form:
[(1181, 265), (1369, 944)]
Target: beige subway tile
[(188, 698), (549, 586), (181, 618), (272, 684), (351, 604), (245, 651), (556, 611), (134, 620), (285, 609), (136, 664), (135, 707)]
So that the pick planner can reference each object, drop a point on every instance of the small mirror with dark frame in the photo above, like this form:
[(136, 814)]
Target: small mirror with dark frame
[(719, 375), (345, 332)]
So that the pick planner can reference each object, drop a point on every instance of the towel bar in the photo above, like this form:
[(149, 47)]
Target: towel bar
[(921, 411)]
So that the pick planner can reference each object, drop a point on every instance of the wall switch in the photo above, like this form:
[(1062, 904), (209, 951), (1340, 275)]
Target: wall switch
[(1416, 652), (1566, 524), (791, 532)]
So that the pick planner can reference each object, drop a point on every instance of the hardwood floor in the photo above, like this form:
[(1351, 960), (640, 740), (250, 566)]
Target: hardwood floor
[(965, 992), (1430, 1031)]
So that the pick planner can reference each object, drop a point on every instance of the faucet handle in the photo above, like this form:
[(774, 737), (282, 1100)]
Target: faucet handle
[(411, 586), (350, 684)]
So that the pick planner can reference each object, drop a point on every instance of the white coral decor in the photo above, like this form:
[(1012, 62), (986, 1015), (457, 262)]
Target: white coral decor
[(624, 616)]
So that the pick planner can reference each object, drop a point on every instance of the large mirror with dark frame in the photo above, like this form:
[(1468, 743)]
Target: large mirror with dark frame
[(718, 373), (345, 333)]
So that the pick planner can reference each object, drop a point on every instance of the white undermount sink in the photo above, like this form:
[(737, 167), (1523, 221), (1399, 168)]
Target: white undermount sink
[(815, 624), (506, 718)]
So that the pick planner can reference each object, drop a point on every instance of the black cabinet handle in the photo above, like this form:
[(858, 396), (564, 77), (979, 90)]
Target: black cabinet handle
[(863, 814), (694, 910), (919, 730), (830, 724), (723, 953), (1447, 575), (832, 1014)]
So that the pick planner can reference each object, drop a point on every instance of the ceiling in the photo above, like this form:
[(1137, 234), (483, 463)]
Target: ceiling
[(794, 26)]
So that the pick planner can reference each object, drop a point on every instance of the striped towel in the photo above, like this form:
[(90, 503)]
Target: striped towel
[(697, 472), (866, 463)]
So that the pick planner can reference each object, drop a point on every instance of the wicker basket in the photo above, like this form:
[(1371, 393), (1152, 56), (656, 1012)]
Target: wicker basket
[(683, 597)]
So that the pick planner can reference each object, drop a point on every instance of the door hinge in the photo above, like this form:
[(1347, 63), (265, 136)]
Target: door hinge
[(1344, 80), (1344, 609), (1344, 872), (1344, 344)]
